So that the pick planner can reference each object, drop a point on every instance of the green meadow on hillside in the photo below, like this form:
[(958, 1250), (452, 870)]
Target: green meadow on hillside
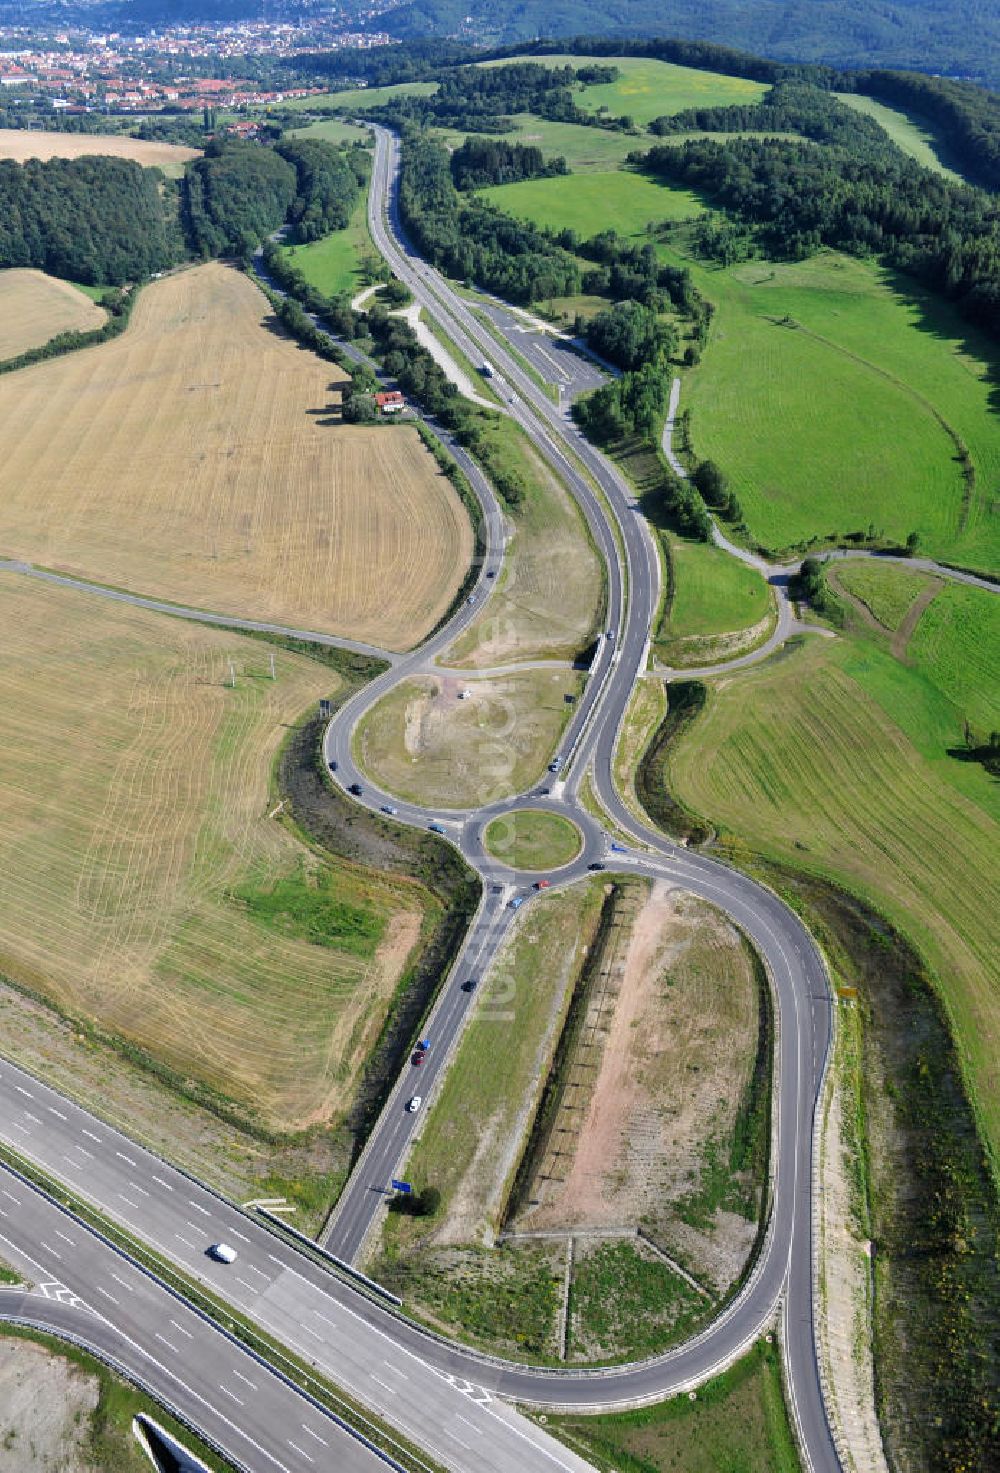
[(916, 136), (332, 264), (647, 89), (588, 204)]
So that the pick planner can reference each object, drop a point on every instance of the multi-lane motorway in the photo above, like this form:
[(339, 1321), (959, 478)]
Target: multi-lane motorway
[(444, 1397)]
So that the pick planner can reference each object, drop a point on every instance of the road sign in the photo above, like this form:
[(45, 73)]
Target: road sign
[(401, 1186), (325, 708)]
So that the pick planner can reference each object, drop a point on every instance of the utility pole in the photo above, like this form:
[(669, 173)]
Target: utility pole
[(273, 676), (232, 675)]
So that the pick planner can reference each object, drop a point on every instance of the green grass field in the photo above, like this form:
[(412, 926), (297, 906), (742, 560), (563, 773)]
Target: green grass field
[(648, 89), (593, 202), (834, 401), (531, 839), (886, 591), (334, 263), (916, 136), (713, 592), (358, 97), (335, 130), (834, 757), (735, 1424), (956, 646)]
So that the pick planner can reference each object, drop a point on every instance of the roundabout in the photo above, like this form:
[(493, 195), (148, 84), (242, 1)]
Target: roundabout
[(533, 839)]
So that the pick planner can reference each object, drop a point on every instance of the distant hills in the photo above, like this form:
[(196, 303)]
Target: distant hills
[(950, 37), (957, 38)]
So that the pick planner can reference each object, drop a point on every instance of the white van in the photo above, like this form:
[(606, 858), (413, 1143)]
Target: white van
[(222, 1253)]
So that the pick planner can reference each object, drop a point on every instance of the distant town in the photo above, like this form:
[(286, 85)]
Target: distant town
[(186, 68)]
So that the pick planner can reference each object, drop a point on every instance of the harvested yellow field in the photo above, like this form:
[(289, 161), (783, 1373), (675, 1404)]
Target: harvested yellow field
[(198, 458), (25, 143), (34, 307), (145, 886)]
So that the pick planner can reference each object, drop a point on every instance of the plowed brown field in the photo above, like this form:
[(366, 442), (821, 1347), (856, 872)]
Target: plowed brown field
[(34, 307), (195, 458), (136, 839)]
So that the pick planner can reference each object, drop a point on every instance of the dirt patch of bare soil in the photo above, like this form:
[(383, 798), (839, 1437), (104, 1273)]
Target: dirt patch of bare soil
[(46, 1405), (659, 1072)]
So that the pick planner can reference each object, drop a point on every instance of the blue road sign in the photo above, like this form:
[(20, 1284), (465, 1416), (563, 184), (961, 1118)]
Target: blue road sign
[(401, 1186)]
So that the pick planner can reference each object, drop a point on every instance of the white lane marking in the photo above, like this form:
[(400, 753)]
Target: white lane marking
[(58, 1113), (35, 1119), (301, 1451), (10, 1197), (122, 1157), (64, 1236), (232, 1395), (76, 1165), (182, 1329), (164, 1341), (203, 1210), (314, 1333), (247, 1284), (161, 1183), (186, 1241), (384, 1384), (455, 1438), (252, 1269), (134, 1205), (324, 1317), (141, 1350), (245, 1379), (84, 1152), (477, 1430), (41, 1244), (91, 1136), (124, 1283), (22, 1091), (242, 1236), (16, 1125), (107, 1294), (194, 1226), (311, 1433), (137, 1188)]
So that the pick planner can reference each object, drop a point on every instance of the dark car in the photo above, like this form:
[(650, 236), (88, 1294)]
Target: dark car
[(595, 865), (333, 767), (470, 984), (419, 1056), (356, 789)]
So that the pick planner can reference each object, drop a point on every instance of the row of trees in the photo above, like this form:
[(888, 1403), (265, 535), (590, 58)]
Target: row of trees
[(328, 183)]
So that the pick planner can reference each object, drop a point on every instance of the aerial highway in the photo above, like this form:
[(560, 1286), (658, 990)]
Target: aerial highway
[(448, 1399)]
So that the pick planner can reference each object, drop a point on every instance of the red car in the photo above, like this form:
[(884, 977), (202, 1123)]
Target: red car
[(418, 1057), (542, 884)]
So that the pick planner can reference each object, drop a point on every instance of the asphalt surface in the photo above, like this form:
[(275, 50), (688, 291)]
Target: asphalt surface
[(555, 357)]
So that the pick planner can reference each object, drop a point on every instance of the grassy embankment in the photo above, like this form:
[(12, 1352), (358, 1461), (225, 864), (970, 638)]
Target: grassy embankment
[(736, 1423), (716, 607), (100, 1408), (549, 596), (426, 743)]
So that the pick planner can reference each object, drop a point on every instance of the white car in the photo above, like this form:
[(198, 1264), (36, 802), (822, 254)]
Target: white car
[(222, 1253), (415, 1104)]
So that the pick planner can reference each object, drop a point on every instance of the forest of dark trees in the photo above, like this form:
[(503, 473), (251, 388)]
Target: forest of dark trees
[(238, 193), (93, 220), (328, 183), (481, 162), (235, 196)]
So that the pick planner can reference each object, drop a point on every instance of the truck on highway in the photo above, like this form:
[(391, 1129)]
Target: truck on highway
[(485, 370)]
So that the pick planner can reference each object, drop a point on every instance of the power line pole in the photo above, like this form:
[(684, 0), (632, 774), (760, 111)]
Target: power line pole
[(232, 675)]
